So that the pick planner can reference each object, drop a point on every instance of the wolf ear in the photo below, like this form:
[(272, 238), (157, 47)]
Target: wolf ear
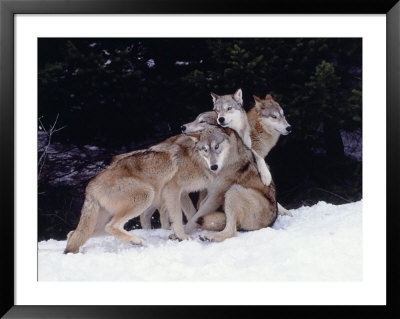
[(214, 96), (195, 136), (237, 96), (258, 102), (268, 97)]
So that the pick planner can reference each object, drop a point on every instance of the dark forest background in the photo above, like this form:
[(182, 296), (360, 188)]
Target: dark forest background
[(103, 96)]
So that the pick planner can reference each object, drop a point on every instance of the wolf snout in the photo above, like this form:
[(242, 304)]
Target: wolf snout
[(288, 129), (214, 167), (221, 120), (183, 128)]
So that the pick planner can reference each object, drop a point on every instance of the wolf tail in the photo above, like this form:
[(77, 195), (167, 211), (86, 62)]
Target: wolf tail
[(86, 225), (214, 221)]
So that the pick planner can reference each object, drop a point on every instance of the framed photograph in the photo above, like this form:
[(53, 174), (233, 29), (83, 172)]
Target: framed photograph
[(151, 124)]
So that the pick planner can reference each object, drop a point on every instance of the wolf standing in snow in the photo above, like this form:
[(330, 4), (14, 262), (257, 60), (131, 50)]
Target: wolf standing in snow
[(203, 121), (124, 190)]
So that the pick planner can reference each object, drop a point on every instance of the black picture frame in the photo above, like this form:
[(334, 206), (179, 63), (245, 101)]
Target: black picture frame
[(8, 9)]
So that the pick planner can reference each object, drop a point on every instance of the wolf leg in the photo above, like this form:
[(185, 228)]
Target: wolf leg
[(202, 196), (209, 205), (246, 209), (145, 218), (129, 208), (234, 199), (172, 201), (187, 206), (164, 217), (116, 228), (263, 169)]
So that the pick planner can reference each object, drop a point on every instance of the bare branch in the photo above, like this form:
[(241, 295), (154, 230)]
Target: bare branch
[(45, 149), (43, 128)]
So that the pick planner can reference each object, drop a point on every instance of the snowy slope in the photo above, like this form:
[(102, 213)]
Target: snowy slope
[(319, 243)]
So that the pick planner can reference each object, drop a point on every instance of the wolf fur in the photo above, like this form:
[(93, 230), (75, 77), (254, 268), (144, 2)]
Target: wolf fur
[(145, 218), (267, 122), (202, 121), (263, 125), (232, 114), (124, 190), (237, 178)]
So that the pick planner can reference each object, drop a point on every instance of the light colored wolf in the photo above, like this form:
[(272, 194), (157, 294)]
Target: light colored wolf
[(236, 185)]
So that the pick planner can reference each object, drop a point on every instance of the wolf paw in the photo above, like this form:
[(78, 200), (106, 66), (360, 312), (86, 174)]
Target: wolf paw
[(208, 236), (204, 238), (179, 238), (139, 242)]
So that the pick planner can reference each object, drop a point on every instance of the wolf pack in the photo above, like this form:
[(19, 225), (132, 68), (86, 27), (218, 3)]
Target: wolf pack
[(220, 155)]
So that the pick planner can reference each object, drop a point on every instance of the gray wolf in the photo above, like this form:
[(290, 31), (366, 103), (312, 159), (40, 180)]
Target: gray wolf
[(128, 187), (236, 185), (202, 121)]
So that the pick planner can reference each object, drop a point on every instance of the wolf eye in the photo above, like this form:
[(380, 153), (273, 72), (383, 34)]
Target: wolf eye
[(273, 116), (202, 121), (205, 150), (229, 108), (216, 146)]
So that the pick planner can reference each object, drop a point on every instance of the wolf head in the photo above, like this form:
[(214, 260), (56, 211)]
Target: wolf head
[(213, 146), (229, 108), (271, 115), (202, 121)]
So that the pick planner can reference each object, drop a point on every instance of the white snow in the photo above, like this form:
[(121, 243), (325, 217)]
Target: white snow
[(319, 243)]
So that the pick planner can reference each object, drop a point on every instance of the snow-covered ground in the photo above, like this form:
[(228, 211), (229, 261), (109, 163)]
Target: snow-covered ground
[(319, 243)]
